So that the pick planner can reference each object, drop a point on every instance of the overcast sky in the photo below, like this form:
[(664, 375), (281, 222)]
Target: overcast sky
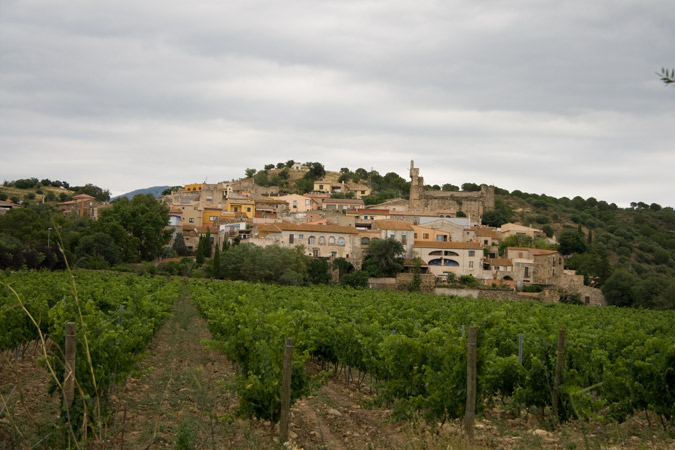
[(554, 97)]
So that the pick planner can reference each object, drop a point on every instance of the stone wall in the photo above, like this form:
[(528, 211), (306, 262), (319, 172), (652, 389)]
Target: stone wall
[(403, 280), (473, 204), (387, 284), (400, 283)]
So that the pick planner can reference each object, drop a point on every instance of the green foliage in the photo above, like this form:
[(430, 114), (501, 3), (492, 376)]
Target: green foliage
[(316, 171), (548, 230), (356, 280), (666, 77), (469, 281), (215, 269), (102, 195), (261, 179), (98, 245), (137, 226), (416, 283), (342, 266), (498, 216), (271, 264), (179, 245), (250, 172), (572, 241), (385, 257), (304, 185), (516, 240), (318, 271), (115, 315), (620, 288), (471, 187), (617, 361)]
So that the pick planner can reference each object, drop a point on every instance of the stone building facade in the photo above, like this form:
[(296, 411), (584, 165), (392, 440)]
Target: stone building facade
[(473, 204)]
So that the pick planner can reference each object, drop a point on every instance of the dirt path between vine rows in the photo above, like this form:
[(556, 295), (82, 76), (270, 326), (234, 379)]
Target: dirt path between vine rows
[(182, 398)]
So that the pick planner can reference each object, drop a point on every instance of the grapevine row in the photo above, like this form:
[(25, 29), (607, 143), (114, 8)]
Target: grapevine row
[(617, 361)]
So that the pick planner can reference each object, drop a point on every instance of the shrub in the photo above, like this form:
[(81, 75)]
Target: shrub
[(358, 279)]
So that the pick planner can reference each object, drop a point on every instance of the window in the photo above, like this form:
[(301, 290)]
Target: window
[(520, 254), (425, 236), (472, 253), (470, 264), (301, 237), (331, 240), (415, 235), (315, 253), (441, 238), (192, 220), (392, 235), (236, 209), (404, 239), (212, 218), (307, 202), (248, 209), (322, 240), (587, 299), (365, 241), (295, 203), (341, 242), (311, 240), (527, 271), (291, 238)]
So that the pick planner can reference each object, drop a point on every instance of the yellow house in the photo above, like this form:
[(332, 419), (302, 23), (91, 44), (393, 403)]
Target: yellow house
[(193, 187), (430, 234), (242, 206), (211, 214)]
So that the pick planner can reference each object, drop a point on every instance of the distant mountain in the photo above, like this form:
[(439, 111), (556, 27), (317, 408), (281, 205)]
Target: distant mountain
[(154, 190)]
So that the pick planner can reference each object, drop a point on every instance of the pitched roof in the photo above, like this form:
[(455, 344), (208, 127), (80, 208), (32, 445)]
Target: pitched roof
[(268, 228), (534, 251), (83, 197), (448, 244), (344, 200), (393, 225), (286, 226), (500, 262), (486, 232), (240, 201), (369, 211)]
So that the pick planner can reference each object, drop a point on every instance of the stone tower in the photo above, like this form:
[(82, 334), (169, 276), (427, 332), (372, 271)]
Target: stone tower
[(416, 187)]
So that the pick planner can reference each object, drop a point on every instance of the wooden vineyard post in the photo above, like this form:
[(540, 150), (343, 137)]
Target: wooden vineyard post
[(558, 372), (470, 410), (520, 348), (285, 421), (69, 379)]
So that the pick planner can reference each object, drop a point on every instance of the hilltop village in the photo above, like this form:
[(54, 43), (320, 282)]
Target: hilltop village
[(441, 232)]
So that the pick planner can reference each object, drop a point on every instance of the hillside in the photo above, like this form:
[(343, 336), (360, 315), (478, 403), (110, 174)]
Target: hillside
[(156, 191)]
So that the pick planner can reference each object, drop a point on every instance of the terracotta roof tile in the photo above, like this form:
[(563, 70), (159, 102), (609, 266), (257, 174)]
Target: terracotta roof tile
[(393, 225), (448, 244)]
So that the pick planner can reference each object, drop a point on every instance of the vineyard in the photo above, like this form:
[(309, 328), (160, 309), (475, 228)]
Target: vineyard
[(409, 350), (115, 316), (616, 361)]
